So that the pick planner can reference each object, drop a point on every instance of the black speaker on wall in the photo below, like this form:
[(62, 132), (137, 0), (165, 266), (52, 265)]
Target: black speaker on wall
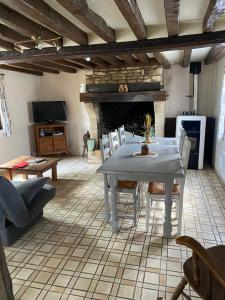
[(195, 67)]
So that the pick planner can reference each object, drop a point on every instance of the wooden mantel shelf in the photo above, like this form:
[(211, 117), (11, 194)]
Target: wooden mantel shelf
[(146, 96)]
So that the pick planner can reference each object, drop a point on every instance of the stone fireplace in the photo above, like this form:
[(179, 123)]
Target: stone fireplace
[(108, 110)]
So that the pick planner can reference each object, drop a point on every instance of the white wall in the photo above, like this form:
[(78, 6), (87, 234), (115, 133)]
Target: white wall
[(66, 87), (20, 90), (211, 82), (177, 85)]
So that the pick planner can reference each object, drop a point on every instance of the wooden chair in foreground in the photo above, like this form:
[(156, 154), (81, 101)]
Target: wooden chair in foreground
[(204, 271)]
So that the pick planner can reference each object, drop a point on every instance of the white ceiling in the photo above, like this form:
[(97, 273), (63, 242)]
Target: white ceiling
[(191, 17)]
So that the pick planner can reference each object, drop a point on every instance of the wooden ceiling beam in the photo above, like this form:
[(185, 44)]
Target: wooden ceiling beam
[(215, 9), (32, 67), (83, 62), (69, 63), (99, 62), (55, 66), (214, 54), (133, 47), (172, 9), (128, 59), (143, 58), (131, 12), (65, 63), (43, 14), (186, 57), (23, 25), (80, 10), (112, 60), (6, 45), (9, 35), (16, 69), (162, 60)]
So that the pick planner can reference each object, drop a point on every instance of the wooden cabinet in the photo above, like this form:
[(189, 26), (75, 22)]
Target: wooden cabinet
[(50, 139)]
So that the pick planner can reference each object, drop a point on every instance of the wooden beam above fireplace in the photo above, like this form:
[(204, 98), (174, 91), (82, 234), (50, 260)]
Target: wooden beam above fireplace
[(147, 96)]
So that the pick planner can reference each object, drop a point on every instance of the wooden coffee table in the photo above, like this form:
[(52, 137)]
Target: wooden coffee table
[(35, 169)]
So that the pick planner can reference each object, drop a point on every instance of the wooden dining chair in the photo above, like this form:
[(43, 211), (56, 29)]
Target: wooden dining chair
[(122, 137), (204, 271), (114, 140), (156, 190), (123, 186)]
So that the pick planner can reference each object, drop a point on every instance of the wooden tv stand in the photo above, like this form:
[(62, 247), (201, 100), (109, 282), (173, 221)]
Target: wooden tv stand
[(51, 143)]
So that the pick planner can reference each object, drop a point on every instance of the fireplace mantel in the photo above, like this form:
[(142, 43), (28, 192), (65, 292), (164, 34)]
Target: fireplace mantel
[(146, 96)]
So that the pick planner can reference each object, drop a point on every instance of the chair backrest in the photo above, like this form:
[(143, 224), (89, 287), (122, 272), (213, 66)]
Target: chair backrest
[(122, 137), (105, 147), (114, 140), (181, 137), (186, 152), (206, 267)]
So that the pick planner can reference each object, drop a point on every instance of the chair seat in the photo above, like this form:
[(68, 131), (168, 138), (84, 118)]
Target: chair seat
[(218, 292), (127, 184), (159, 188)]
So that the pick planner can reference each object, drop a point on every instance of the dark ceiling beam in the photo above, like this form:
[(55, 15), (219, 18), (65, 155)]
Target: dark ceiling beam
[(33, 67), (128, 59), (215, 9), (80, 10), (131, 12), (99, 62), (55, 66), (84, 63), (162, 60), (67, 63), (186, 57), (44, 15), (133, 47), (172, 9), (12, 36), (112, 60), (6, 45), (23, 25), (143, 58), (214, 54), (16, 69)]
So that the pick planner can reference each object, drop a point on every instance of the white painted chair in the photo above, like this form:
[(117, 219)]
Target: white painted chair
[(122, 137), (114, 140), (156, 191), (123, 186), (181, 136)]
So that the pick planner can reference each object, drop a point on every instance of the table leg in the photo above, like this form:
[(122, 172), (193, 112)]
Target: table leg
[(113, 185), (8, 174), (106, 195), (54, 172), (167, 226), (39, 174)]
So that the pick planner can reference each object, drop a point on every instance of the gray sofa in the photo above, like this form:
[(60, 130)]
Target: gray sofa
[(21, 205)]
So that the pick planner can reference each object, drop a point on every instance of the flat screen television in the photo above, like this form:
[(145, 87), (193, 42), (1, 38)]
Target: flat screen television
[(49, 111)]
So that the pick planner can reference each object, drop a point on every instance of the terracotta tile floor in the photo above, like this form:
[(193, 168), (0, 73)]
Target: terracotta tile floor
[(72, 254)]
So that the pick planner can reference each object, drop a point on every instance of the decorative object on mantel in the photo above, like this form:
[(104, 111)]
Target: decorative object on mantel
[(5, 121), (147, 126), (123, 88)]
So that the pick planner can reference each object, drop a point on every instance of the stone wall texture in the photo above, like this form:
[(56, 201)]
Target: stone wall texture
[(122, 75)]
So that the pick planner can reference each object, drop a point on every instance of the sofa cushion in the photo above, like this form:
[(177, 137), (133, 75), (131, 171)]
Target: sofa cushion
[(29, 188), (12, 205)]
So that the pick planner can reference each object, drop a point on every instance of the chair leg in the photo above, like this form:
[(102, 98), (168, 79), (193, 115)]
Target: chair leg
[(180, 215), (177, 208), (148, 200), (135, 205), (179, 289), (106, 198)]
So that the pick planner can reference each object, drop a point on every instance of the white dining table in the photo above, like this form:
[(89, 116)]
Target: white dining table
[(165, 167)]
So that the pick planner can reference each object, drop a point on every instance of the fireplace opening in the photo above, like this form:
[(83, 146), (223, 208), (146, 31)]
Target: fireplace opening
[(130, 114)]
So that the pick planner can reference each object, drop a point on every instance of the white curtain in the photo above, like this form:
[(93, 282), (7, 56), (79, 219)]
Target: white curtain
[(5, 121)]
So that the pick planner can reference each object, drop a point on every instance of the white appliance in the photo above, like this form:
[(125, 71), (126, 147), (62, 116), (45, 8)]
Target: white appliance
[(194, 126)]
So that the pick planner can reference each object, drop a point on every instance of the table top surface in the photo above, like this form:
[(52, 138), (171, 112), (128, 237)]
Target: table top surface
[(166, 163), (33, 167)]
